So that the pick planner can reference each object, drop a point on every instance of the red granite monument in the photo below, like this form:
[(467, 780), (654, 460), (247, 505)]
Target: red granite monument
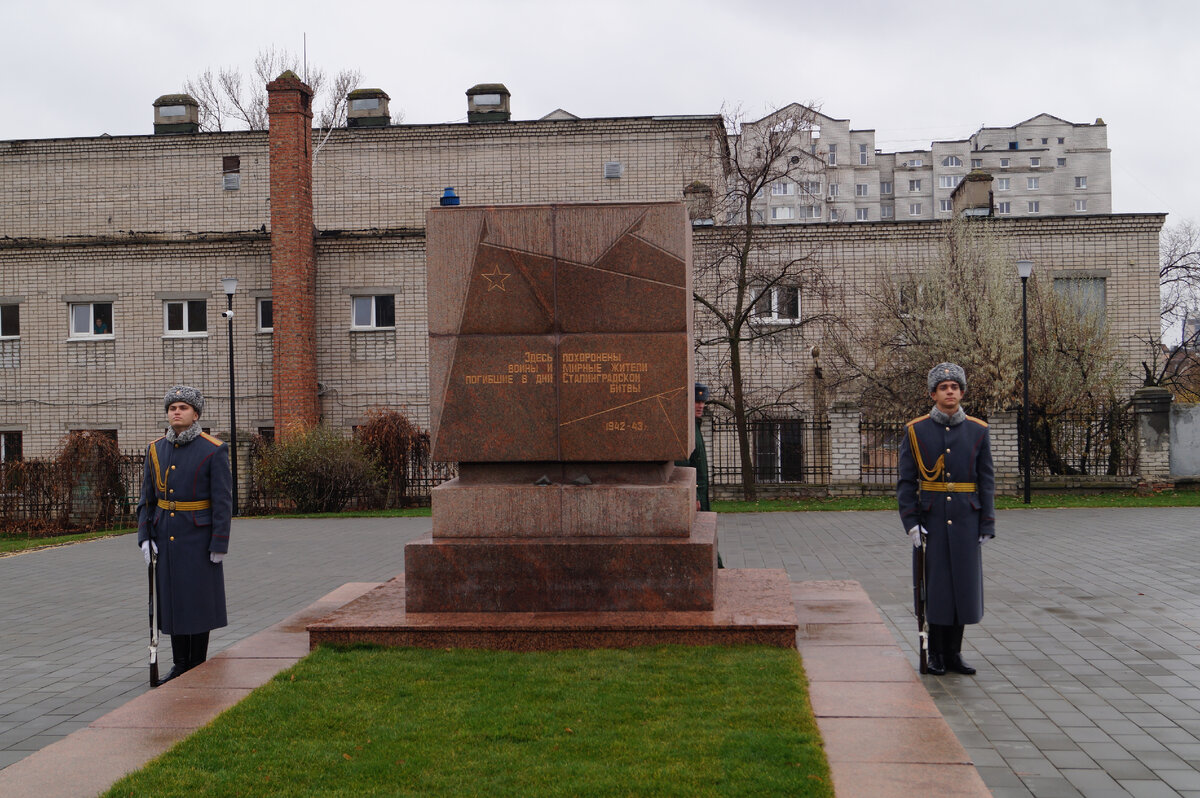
[(560, 341)]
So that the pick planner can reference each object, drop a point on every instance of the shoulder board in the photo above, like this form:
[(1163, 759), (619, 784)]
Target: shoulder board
[(211, 439), (978, 421), (917, 419), (156, 440)]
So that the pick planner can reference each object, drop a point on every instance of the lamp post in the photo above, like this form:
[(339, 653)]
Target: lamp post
[(1025, 268), (230, 286)]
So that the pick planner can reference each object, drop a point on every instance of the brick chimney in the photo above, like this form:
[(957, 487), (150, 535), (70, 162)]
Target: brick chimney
[(293, 264)]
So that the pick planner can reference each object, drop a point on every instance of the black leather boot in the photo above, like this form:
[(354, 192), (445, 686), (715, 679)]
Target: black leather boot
[(180, 655), (955, 663), (199, 650), (937, 666)]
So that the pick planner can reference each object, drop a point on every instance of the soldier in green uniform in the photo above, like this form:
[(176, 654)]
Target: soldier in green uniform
[(184, 516), (946, 492), (699, 459)]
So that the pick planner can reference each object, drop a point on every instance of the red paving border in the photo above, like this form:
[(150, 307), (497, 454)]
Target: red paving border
[(883, 735)]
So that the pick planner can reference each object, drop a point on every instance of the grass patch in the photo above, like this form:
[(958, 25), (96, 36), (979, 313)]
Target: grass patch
[(670, 721), (16, 545)]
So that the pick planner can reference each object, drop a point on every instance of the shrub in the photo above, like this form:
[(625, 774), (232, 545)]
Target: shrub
[(87, 462), (319, 471), (397, 446)]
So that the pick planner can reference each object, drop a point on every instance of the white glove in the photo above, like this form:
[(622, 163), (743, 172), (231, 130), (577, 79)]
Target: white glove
[(984, 539), (216, 556), (917, 534), (147, 547)]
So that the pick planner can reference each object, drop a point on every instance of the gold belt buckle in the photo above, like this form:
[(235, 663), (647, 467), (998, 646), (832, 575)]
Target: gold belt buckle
[(950, 487), (171, 504)]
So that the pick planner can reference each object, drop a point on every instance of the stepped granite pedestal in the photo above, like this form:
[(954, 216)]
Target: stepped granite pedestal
[(561, 381)]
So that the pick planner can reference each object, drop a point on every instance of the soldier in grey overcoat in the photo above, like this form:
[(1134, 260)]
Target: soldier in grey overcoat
[(946, 492), (184, 517)]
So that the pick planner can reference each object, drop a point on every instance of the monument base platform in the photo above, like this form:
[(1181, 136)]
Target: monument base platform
[(753, 606)]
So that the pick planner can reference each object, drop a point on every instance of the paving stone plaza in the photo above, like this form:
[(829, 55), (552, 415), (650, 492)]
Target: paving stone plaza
[(1088, 657)]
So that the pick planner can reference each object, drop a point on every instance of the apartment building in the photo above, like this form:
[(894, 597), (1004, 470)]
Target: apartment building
[(1044, 166)]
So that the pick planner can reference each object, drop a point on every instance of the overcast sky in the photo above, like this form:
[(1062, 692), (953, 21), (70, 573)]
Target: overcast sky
[(913, 72)]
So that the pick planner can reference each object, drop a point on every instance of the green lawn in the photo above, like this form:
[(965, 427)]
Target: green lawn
[(670, 721)]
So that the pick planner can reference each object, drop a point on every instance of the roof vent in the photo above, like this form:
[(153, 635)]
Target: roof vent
[(613, 170), (488, 102), (368, 108), (176, 113)]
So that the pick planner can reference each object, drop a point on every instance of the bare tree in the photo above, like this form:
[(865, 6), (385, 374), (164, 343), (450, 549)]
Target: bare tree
[(230, 99), (1176, 366), (965, 307), (758, 296)]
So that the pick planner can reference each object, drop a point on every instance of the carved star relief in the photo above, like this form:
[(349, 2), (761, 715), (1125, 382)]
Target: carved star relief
[(495, 278)]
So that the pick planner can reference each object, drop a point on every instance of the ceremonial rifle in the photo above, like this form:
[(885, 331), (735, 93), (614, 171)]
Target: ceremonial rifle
[(919, 597), (153, 616)]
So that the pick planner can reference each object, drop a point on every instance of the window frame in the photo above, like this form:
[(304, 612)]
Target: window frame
[(258, 314), (14, 317), (1081, 182), (1033, 206), (862, 214), (952, 160), (374, 311), (946, 206), (862, 154), (1004, 208), (782, 212), (832, 159), (914, 209), (186, 319), (780, 296), (1081, 205), (7, 437), (90, 334), (914, 186), (862, 189), (1004, 184), (1033, 184), (886, 187)]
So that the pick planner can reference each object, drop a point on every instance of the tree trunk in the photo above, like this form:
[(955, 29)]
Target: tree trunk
[(749, 490)]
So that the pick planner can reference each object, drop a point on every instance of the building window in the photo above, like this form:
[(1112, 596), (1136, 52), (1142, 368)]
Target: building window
[(952, 160), (949, 181), (862, 214), (1004, 163), (267, 434), (781, 188), (976, 163), (862, 154), (885, 187), (1081, 181), (185, 317), (1087, 294), (1002, 183), (811, 187), (1080, 206), (834, 190), (917, 162), (10, 447), (1012, 145), (266, 317), (10, 321), (1045, 141), (862, 190), (833, 155), (778, 303), (914, 209), (914, 185), (1062, 161), (783, 212), (91, 319), (1033, 183), (1061, 140), (887, 211), (945, 205), (1035, 162), (231, 168), (374, 312), (810, 211), (1003, 208), (1035, 206), (758, 217)]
